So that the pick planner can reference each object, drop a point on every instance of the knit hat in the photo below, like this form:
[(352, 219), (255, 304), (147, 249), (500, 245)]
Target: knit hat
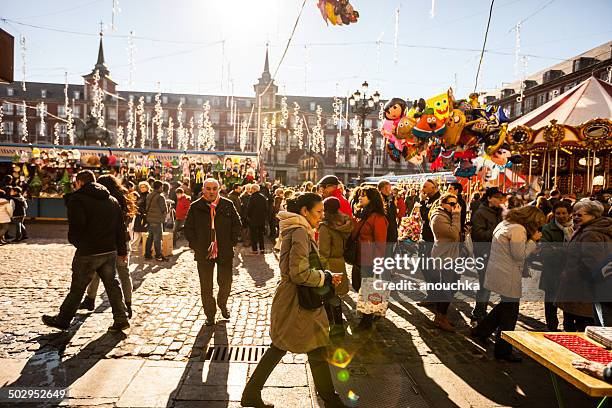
[(330, 180), (331, 205)]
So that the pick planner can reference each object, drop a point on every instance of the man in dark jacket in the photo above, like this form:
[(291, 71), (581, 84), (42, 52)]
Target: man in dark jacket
[(234, 197), (384, 186), (257, 213), (97, 229), (212, 229), (156, 210), (431, 192), (19, 213), (484, 221)]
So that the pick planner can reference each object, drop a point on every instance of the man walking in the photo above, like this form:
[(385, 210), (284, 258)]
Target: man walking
[(212, 229), (156, 211), (97, 230), (384, 186), (257, 214), (430, 194), (329, 186)]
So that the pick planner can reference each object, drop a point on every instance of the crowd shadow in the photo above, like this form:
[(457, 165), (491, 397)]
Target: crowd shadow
[(257, 267), (192, 385)]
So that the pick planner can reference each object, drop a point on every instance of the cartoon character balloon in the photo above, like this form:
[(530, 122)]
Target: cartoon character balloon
[(429, 125)]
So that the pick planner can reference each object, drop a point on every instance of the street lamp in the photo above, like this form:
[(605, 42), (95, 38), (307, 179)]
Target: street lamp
[(362, 105)]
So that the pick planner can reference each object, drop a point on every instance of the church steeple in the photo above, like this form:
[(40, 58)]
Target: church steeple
[(267, 64), (265, 86), (106, 83), (266, 78), (100, 64)]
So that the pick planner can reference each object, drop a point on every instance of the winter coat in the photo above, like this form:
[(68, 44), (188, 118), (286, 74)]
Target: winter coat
[(140, 219), (484, 221), (6, 211), (244, 199), (582, 280), (345, 206), (446, 228), (553, 255), (198, 231), (182, 207), (257, 211), (20, 206), (401, 208), (293, 328), (332, 240), (426, 232), (234, 197), (509, 250), (372, 238), (156, 207), (391, 219), (95, 221)]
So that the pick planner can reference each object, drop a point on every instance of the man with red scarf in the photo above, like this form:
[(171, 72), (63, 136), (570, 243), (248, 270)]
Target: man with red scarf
[(329, 186), (212, 229)]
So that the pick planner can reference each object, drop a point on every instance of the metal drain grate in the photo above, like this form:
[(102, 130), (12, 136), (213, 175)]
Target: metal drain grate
[(246, 354)]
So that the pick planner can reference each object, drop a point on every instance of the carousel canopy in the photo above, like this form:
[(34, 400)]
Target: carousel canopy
[(589, 100)]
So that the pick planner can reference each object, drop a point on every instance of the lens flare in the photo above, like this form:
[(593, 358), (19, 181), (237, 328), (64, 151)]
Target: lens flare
[(352, 396), (341, 358), (343, 375)]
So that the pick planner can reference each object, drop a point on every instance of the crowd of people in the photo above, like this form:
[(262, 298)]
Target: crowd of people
[(324, 230)]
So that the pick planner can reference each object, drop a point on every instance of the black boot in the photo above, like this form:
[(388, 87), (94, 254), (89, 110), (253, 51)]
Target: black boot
[(88, 303), (251, 396), (128, 305), (337, 327), (365, 323)]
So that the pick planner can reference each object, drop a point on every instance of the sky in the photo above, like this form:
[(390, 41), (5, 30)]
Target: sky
[(218, 47)]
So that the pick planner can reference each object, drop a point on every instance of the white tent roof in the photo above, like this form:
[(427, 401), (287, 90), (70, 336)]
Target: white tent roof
[(589, 100)]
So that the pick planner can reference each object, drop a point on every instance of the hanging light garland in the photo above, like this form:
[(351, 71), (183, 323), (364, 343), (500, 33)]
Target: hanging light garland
[(381, 115), (1, 117), (158, 119), (432, 13), (180, 131), (120, 137), (22, 42), (338, 145), (56, 138), (191, 136), (284, 112), (68, 109), (131, 137), (318, 139), (209, 131), (273, 130), (367, 143), (41, 108), (140, 114), (116, 10), (97, 110), (396, 37), (24, 123), (266, 142), (131, 60), (298, 129), (244, 136), (170, 132), (357, 132), (337, 105)]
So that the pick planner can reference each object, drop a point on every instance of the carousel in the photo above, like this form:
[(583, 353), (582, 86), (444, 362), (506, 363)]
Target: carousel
[(567, 141)]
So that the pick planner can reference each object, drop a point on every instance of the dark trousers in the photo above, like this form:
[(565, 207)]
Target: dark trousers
[(483, 295), (576, 323), (603, 314), (224, 280), (257, 236), (83, 270), (154, 238), (550, 312), (318, 365), (20, 230), (503, 316), (429, 274)]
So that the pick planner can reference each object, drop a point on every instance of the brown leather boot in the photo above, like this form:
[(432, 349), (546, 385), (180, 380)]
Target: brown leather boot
[(441, 321)]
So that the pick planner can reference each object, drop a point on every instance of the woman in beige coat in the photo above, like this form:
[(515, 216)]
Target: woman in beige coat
[(292, 327), (334, 231), (445, 221), (514, 239)]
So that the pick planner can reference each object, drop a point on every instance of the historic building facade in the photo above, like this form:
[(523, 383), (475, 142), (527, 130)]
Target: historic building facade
[(284, 160)]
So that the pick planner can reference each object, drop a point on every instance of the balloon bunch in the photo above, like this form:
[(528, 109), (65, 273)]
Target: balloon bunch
[(448, 132), (338, 12)]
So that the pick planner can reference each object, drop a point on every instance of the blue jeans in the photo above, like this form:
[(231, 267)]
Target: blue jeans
[(154, 238), (83, 269)]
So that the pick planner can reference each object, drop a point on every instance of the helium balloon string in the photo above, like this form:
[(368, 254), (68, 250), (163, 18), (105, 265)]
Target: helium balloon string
[(484, 44)]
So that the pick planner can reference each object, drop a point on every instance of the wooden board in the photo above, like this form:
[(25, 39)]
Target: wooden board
[(557, 359), (167, 245)]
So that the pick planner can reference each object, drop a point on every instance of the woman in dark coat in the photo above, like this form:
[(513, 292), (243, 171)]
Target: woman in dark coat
[(140, 220)]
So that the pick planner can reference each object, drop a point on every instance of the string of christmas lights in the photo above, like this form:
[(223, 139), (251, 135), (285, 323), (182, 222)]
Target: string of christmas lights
[(140, 115), (170, 132), (131, 137), (120, 137)]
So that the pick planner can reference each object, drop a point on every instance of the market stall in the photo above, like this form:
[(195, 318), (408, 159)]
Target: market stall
[(46, 172), (568, 140)]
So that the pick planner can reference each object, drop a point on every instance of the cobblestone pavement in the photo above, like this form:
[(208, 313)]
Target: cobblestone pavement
[(167, 342)]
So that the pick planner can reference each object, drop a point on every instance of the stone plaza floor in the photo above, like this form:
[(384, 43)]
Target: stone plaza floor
[(168, 358)]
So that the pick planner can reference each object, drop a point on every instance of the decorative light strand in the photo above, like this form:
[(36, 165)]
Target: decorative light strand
[(367, 143), (1, 117), (318, 140), (116, 10), (158, 119), (41, 108), (209, 131), (24, 123), (22, 42), (299, 133), (131, 60), (337, 105), (432, 13), (191, 135), (357, 132), (97, 110), (68, 109), (284, 112), (273, 130), (396, 37), (381, 115), (170, 132), (266, 142), (180, 131), (244, 136), (120, 137), (517, 49), (131, 137), (56, 137), (140, 115), (338, 146)]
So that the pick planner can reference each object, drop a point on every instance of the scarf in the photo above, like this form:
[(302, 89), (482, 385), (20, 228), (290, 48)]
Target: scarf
[(213, 249), (568, 230)]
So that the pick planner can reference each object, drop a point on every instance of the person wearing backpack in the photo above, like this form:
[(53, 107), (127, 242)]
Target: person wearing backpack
[(156, 211)]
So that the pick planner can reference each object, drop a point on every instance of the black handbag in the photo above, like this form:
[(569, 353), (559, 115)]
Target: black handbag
[(352, 246), (311, 298)]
